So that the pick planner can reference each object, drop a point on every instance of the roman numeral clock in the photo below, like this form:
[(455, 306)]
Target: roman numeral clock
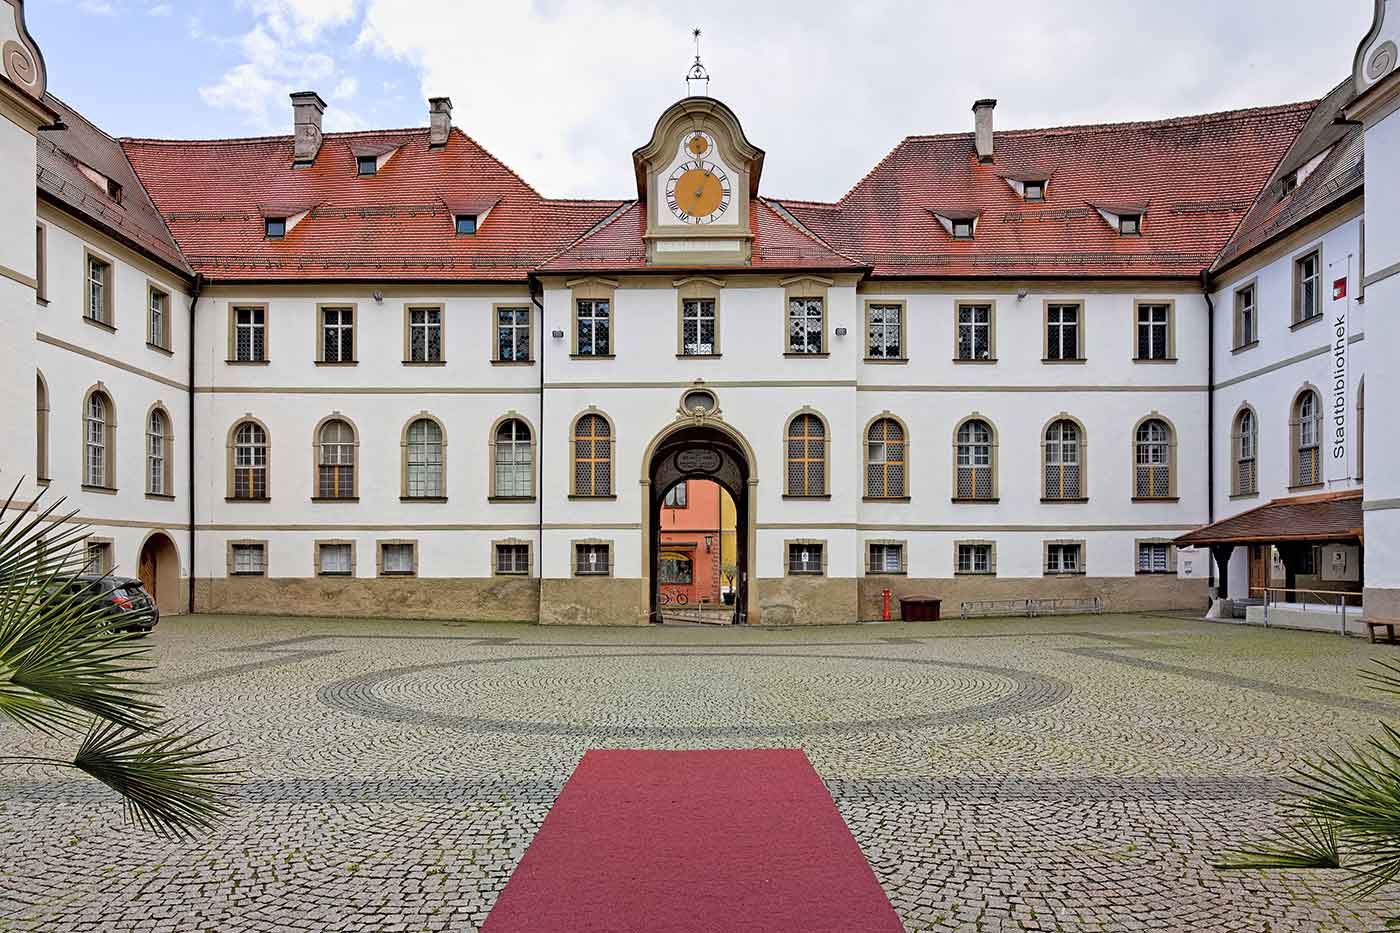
[(697, 176)]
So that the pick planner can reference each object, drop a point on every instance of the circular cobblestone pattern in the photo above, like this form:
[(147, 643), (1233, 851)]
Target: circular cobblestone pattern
[(1055, 774)]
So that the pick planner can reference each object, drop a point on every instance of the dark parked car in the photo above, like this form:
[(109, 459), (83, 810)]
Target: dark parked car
[(128, 603)]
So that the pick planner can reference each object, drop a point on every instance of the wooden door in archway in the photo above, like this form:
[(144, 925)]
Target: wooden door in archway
[(146, 570)]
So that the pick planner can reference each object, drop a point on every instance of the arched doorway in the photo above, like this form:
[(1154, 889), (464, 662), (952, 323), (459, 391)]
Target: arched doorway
[(698, 449), (159, 570)]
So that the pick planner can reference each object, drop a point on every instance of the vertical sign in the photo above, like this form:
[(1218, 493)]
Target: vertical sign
[(1336, 434)]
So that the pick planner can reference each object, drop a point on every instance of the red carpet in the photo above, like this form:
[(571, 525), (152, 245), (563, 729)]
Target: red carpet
[(702, 840)]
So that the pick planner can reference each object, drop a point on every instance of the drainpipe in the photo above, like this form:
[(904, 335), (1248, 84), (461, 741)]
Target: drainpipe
[(189, 427), (1210, 414), (535, 293)]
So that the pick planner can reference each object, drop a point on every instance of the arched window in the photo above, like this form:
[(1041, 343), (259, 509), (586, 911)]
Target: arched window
[(1153, 455), (884, 460), (249, 461), (676, 568), (97, 440), (976, 460), (1307, 439), (423, 460), (513, 461), (593, 453), (157, 453), (41, 428), (1064, 460), (335, 460), (806, 456), (1245, 438)]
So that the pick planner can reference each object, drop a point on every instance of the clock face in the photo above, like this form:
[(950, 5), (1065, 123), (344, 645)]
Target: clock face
[(698, 191)]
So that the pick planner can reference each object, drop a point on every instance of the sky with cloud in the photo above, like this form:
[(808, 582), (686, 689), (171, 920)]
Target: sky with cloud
[(564, 90)]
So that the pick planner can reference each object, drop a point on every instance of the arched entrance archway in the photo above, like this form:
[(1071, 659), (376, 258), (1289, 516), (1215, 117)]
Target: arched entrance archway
[(159, 570), (699, 448)]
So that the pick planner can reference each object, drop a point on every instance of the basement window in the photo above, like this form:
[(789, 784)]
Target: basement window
[(1035, 191), (962, 229), (367, 165), (466, 224), (1130, 225), (275, 227)]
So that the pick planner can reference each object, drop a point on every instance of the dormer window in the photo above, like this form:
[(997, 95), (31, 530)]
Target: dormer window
[(962, 229), (1290, 182), (275, 227), (466, 224), (367, 165), (1130, 225), (114, 191), (1035, 191)]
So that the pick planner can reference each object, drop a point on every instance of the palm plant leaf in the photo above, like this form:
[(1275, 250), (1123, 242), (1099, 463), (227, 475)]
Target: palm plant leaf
[(173, 783), (1383, 675), (1311, 843)]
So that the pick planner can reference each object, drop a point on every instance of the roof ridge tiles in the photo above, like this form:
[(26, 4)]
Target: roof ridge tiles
[(783, 215)]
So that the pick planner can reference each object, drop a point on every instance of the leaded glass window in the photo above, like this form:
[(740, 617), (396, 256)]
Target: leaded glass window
[(515, 468), (974, 460), (1307, 276), (1246, 454), (249, 461), (249, 335), (806, 325), (95, 440), (1307, 432), (698, 327), (155, 453), (1153, 332), (513, 335), (1062, 332), (97, 275), (974, 332), (593, 445), (338, 335), (806, 456), (425, 335), (885, 332), (158, 322), (594, 327), (1152, 460), (423, 460), (1063, 467), (335, 469), (884, 460)]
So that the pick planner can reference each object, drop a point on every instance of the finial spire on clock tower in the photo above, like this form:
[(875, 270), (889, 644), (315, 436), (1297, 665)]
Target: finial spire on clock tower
[(697, 79)]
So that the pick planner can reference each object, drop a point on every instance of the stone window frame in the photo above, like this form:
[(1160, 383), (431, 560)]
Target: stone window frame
[(825, 491), (994, 464), (1237, 490), (167, 490), (320, 543), (1080, 329), (611, 491), (991, 305), (1137, 557), (903, 305), (807, 287), (991, 545), (41, 263), (528, 308), (529, 546), (1047, 571), (592, 289), (316, 444), (590, 542), (379, 546), (42, 413), (1295, 438), (903, 494), (698, 288), (1298, 318), (109, 552), (791, 543), (233, 309), (872, 571), (167, 344), (1242, 340), (403, 458), (1173, 441), (1170, 305), (321, 309), (229, 546), (109, 443), (1083, 445), (408, 309), (492, 495), (231, 459), (108, 321)]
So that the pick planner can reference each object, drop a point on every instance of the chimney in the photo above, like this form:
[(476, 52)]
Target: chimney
[(982, 117), (307, 108), (439, 121)]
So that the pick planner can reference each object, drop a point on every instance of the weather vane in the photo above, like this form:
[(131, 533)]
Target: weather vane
[(697, 79)]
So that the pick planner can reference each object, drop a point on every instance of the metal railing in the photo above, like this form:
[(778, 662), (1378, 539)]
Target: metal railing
[(971, 608), (1338, 601)]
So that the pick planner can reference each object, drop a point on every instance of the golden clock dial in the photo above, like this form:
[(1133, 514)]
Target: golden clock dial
[(698, 145), (698, 192)]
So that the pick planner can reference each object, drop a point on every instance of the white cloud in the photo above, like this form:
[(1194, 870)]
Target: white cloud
[(98, 7), (345, 88), (160, 9)]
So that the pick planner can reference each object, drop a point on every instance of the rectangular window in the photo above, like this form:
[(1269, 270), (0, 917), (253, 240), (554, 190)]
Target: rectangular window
[(806, 325), (99, 282), (396, 558), (425, 335), (884, 328), (1064, 558), (250, 335), (335, 560), (1246, 317), (338, 335), (962, 229), (592, 560), (804, 557), (1062, 332), (594, 327), (698, 327), (886, 558), (99, 557), (275, 227), (974, 558), (1130, 224), (466, 224), (1307, 287), (676, 496), (157, 332), (249, 559), (513, 335), (1153, 332), (366, 165), (974, 332), (513, 559), (41, 265), (1035, 190), (1154, 557)]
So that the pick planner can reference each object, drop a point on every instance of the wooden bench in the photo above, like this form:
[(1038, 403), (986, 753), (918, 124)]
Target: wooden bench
[(1389, 630)]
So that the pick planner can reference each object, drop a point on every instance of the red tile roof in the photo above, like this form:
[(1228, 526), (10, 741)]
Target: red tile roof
[(396, 223), (1328, 516), (1198, 176)]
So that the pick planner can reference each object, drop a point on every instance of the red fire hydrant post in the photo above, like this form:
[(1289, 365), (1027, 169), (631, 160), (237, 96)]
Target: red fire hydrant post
[(886, 614)]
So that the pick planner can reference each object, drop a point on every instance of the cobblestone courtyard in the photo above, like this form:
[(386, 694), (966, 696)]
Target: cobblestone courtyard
[(1056, 774)]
